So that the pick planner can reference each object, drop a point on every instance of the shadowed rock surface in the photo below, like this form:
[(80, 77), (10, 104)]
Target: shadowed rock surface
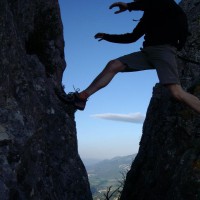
[(38, 145), (167, 166)]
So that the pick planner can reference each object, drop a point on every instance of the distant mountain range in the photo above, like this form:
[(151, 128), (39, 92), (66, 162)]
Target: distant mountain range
[(90, 161), (107, 173)]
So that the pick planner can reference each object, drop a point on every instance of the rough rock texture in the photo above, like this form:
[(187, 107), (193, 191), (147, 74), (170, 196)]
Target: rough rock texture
[(38, 145), (167, 166)]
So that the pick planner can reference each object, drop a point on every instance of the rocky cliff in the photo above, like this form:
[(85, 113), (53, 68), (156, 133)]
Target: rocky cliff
[(38, 145), (167, 166)]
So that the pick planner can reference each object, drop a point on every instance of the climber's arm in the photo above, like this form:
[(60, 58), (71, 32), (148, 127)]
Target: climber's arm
[(137, 5), (137, 33)]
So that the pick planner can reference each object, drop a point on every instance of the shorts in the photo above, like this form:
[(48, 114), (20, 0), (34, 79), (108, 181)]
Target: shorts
[(159, 57)]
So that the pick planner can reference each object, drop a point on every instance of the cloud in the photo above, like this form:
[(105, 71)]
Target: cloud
[(132, 117)]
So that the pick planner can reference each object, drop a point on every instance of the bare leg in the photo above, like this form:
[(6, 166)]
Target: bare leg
[(104, 78), (187, 98), (78, 100)]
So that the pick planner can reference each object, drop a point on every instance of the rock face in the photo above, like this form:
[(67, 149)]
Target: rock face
[(167, 166), (38, 145)]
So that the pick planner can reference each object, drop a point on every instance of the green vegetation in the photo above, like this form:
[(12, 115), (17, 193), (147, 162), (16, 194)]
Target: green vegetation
[(108, 173)]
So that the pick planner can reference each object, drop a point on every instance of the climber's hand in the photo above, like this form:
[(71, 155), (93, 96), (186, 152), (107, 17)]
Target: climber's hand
[(99, 36), (122, 7)]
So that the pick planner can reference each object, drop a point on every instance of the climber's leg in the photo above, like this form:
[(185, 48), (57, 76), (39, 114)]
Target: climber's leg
[(136, 61), (104, 78), (79, 99), (185, 97), (132, 62)]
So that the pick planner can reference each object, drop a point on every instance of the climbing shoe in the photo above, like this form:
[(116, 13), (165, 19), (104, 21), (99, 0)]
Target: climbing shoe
[(76, 101), (71, 98)]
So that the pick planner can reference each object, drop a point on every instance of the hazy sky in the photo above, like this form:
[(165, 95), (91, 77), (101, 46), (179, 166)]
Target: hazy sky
[(111, 124)]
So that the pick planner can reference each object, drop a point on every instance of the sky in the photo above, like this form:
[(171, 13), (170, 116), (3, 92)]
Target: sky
[(111, 124)]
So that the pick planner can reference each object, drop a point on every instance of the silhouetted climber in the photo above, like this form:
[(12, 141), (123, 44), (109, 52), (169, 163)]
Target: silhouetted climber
[(165, 29)]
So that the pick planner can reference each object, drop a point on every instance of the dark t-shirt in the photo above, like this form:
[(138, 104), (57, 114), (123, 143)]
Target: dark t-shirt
[(163, 22)]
